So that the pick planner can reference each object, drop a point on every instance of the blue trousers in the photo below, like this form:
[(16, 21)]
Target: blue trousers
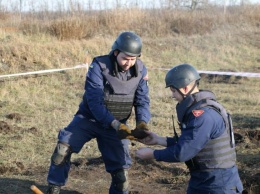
[(115, 152), (215, 181)]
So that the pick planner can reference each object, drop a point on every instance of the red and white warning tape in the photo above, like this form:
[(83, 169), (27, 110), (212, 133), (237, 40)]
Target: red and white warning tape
[(240, 74), (44, 71), (237, 74)]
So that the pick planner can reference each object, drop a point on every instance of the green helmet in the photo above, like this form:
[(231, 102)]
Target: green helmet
[(181, 76), (129, 43)]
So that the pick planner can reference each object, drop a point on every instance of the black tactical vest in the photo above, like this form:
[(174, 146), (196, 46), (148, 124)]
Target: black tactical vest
[(219, 152), (118, 94)]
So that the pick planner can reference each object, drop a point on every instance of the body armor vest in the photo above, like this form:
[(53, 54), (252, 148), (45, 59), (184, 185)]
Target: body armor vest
[(219, 152), (118, 94)]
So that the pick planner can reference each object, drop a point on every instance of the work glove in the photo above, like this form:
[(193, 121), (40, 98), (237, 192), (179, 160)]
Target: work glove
[(139, 131), (123, 131)]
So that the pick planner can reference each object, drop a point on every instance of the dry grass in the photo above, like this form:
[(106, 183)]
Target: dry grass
[(151, 22)]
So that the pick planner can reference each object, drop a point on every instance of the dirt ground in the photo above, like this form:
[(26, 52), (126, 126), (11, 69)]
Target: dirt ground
[(88, 175)]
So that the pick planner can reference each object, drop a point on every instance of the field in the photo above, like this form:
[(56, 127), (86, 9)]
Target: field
[(34, 108)]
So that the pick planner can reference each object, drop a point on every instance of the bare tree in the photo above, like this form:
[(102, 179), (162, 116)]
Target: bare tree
[(177, 3), (89, 5), (233, 2), (191, 4), (118, 4), (20, 8), (225, 7), (169, 4), (198, 3), (244, 2)]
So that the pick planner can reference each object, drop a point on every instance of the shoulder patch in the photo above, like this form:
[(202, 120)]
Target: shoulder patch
[(197, 113)]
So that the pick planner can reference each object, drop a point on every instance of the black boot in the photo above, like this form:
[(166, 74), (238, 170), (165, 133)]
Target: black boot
[(53, 189)]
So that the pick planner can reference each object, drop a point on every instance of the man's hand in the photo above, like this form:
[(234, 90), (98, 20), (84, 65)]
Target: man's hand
[(153, 139), (145, 153), (139, 131), (123, 131)]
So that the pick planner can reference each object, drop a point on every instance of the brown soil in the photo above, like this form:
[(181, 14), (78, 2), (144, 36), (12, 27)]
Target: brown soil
[(88, 176)]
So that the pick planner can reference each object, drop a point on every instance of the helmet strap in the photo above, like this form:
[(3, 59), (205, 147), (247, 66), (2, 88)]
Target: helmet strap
[(180, 92), (193, 87), (114, 62), (136, 68)]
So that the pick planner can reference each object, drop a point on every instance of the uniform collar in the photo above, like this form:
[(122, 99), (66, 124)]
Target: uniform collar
[(184, 105)]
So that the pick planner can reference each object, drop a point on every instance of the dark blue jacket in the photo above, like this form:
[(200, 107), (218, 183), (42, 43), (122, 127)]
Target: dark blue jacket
[(200, 130), (93, 104), (195, 135)]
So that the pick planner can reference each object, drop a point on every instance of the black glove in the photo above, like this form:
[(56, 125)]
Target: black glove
[(139, 131), (123, 131)]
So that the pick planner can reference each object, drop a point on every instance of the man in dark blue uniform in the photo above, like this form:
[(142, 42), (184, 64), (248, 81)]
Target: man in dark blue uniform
[(206, 143), (115, 84)]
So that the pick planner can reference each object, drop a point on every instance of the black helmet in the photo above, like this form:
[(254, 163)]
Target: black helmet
[(129, 43), (181, 76)]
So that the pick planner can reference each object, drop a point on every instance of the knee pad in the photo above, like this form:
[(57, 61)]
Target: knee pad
[(61, 154), (120, 180)]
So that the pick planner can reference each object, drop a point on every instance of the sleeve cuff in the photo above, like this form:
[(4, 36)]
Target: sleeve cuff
[(170, 141), (156, 154)]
